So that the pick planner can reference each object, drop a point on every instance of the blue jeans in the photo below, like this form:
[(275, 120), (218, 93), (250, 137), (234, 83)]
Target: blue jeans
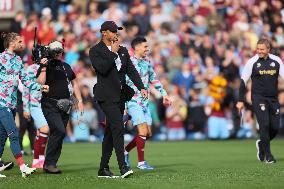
[(8, 129)]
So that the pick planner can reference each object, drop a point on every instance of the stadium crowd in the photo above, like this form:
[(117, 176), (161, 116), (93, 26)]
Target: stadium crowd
[(192, 42)]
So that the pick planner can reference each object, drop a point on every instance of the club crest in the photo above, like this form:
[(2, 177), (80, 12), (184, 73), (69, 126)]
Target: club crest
[(272, 64), (262, 107)]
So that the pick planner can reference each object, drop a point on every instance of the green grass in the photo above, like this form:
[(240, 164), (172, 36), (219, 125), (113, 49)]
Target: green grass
[(206, 164)]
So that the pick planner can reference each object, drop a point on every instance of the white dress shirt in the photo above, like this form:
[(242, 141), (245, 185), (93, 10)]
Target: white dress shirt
[(117, 61)]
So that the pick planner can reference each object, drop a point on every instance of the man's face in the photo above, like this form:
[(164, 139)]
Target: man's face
[(262, 50), (58, 56), (142, 49), (111, 36), (18, 44)]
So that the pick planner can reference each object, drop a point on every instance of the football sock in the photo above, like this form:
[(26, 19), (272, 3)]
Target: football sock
[(19, 159), (42, 142), (140, 142), (36, 148), (131, 145), (41, 158)]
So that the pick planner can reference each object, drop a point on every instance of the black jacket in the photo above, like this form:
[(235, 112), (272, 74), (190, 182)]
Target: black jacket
[(110, 81)]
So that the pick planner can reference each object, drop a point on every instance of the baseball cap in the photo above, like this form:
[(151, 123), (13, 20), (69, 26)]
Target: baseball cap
[(111, 26)]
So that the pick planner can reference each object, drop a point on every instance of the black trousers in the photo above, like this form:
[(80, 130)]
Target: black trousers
[(114, 133), (25, 125), (57, 122), (267, 111)]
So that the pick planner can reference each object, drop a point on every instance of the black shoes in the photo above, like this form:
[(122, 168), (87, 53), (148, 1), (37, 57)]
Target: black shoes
[(51, 169), (6, 165), (106, 173), (126, 172), (260, 151), (270, 159)]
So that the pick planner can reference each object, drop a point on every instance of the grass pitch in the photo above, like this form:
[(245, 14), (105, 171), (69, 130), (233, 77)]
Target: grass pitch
[(205, 164)]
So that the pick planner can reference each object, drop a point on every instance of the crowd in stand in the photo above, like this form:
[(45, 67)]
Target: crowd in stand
[(191, 42)]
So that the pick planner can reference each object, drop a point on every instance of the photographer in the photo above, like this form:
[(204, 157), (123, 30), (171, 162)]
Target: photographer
[(56, 104)]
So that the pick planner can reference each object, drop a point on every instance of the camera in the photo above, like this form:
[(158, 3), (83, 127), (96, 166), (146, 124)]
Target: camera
[(40, 51)]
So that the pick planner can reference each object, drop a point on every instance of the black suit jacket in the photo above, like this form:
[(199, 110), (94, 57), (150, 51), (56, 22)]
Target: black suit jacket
[(110, 81)]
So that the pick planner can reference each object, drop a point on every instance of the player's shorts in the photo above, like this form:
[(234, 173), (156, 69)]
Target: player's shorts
[(140, 115), (38, 117)]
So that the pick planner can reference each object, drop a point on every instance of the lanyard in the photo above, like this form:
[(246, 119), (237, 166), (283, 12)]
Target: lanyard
[(70, 88)]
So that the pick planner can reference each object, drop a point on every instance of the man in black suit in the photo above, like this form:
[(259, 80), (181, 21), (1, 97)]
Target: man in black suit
[(112, 62)]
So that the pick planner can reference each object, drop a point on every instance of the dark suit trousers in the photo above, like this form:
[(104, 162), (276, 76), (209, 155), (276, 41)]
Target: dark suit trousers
[(57, 122), (114, 133)]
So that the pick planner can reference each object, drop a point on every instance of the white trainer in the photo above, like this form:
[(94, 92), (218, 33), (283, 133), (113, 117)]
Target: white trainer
[(27, 171), (3, 167), (2, 176)]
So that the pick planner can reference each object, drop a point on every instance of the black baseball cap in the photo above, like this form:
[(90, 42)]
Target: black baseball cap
[(111, 26)]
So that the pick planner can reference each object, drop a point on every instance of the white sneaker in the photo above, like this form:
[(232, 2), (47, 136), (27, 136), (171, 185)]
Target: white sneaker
[(2, 176), (26, 171), (3, 167)]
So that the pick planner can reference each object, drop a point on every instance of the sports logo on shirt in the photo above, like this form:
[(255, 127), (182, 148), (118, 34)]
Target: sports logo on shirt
[(267, 72), (272, 64), (58, 68), (262, 107), (258, 65)]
